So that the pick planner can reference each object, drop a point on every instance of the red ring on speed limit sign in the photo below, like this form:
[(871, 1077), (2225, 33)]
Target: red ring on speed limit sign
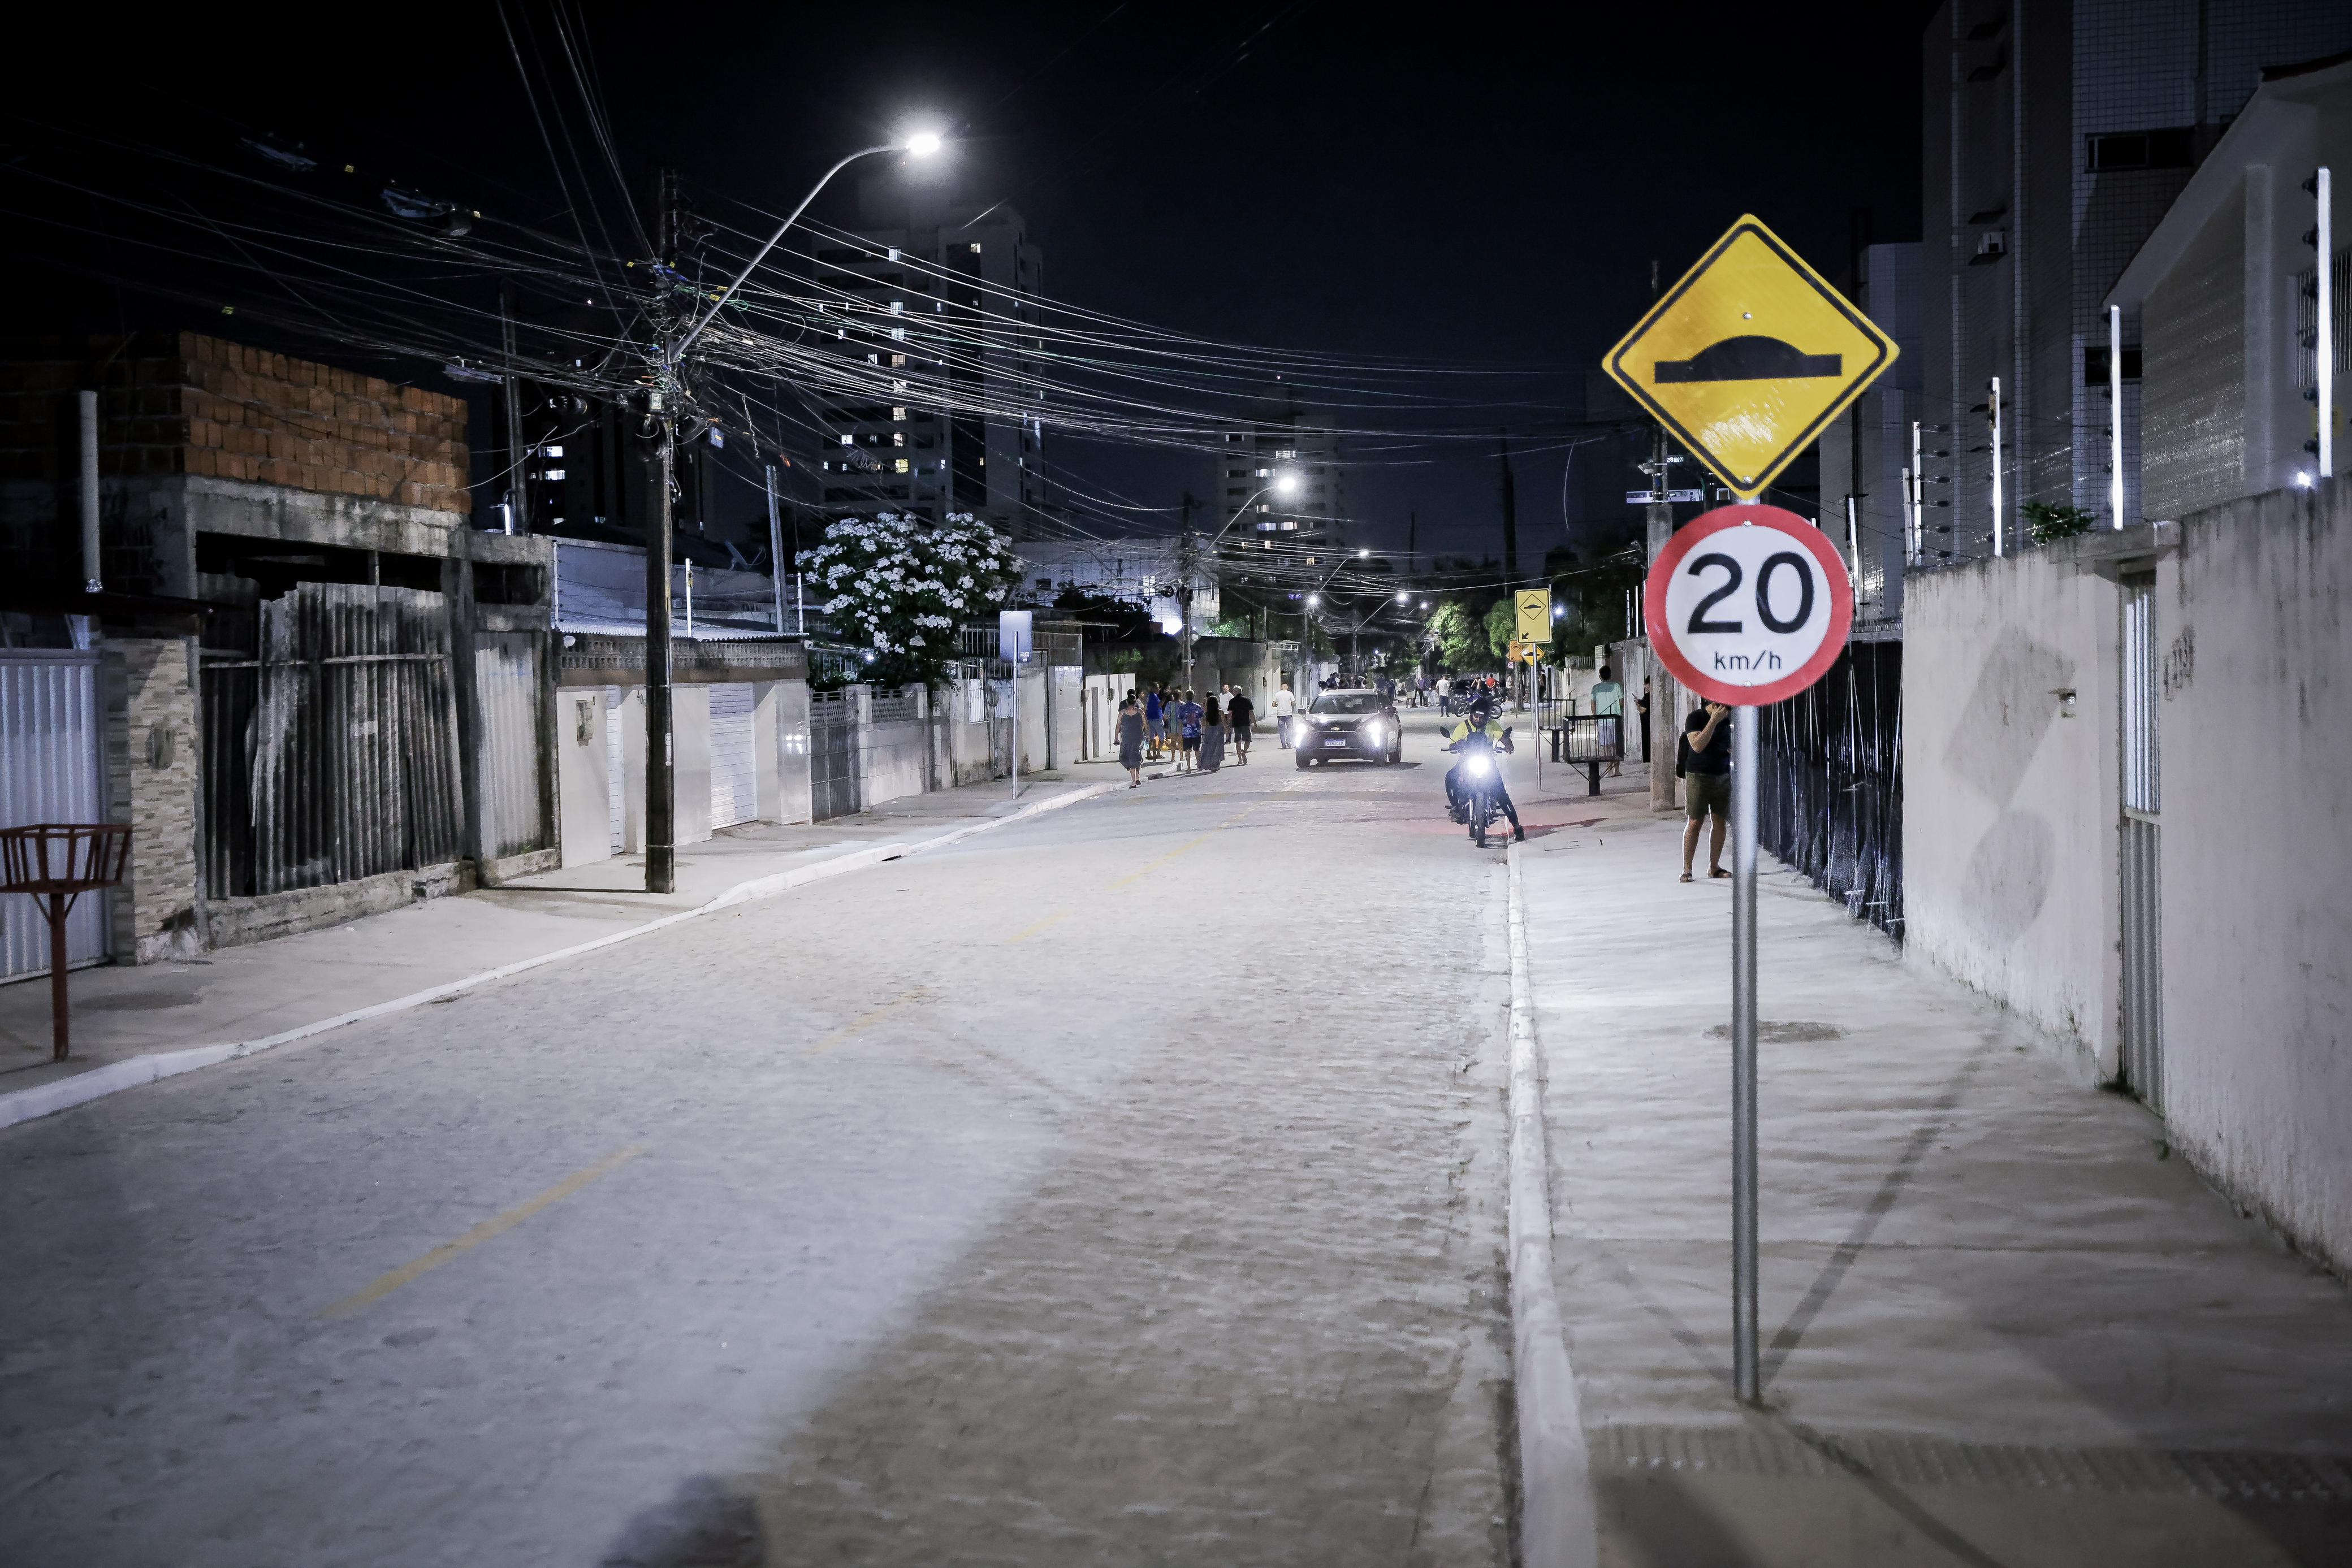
[(1738, 598)]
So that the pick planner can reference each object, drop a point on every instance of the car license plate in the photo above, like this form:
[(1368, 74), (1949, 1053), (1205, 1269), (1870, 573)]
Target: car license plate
[(1335, 741)]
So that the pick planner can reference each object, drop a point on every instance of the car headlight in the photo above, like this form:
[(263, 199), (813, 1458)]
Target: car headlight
[(1479, 765), (1372, 732)]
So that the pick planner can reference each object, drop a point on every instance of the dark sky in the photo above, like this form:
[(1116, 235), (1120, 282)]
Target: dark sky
[(1471, 183)]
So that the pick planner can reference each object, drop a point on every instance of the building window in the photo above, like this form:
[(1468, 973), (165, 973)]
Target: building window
[(899, 467), (898, 414), (2121, 150), (848, 440), (898, 438), (552, 451), (553, 473)]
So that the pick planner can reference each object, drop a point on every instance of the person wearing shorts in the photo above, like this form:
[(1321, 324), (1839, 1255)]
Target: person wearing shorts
[(1155, 724), (1703, 762), (1189, 715)]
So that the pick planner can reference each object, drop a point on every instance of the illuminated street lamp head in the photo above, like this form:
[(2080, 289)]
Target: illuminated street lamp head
[(1363, 555), (1286, 484), (1313, 599), (1404, 597), (922, 143)]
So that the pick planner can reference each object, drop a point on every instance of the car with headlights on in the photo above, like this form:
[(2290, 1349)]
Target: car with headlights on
[(1360, 725)]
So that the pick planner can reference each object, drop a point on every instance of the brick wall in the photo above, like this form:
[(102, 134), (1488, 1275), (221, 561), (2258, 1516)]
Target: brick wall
[(182, 404), (151, 719)]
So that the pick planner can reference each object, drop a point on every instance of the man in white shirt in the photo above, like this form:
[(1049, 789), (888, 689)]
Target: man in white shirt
[(1284, 706)]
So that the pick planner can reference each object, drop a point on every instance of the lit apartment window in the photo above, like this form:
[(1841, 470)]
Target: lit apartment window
[(898, 308), (899, 333), (896, 360), (895, 252), (1265, 473), (899, 467), (898, 414), (898, 386), (898, 438), (1264, 507), (976, 249), (553, 473), (873, 358), (552, 451), (848, 440), (1292, 523)]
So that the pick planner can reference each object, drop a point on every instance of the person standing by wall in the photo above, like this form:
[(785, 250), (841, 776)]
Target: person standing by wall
[(1703, 762), (1242, 714), (1609, 707), (1286, 707)]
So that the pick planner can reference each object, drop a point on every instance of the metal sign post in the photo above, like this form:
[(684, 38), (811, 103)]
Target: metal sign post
[(1746, 359), (1013, 628), (1746, 605)]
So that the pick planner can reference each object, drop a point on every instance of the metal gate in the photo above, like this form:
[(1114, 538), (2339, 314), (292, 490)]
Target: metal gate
[(331, 747), (616, 786), (2143, 930), (833, 758), (734, 785), (507, 692), (52, 770)]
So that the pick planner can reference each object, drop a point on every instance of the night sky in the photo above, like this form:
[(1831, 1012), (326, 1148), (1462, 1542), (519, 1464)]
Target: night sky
[(1479, 185)]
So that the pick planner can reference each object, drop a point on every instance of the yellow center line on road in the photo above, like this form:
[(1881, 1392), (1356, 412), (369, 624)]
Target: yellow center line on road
[(387, 1284), (1026, 932), (860, 1024), (1154, 865)]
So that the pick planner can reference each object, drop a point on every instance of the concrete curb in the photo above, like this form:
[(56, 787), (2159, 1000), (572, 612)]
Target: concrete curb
[(1556, 1528), (48, 1099)]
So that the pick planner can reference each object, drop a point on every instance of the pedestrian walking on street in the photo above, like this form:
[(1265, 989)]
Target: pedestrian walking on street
[(1188, 724), (1130, 740), (1242, 714), (1285, 704), (1155, 722), (1703, 762), (1212, 736)]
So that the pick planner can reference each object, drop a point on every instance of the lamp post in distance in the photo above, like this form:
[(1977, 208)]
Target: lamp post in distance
[(663, 404), (1285, 484)]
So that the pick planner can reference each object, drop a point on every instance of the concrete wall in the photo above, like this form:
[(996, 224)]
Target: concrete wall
[(153, 746), (2255, 727), (2011, 810), (581, 781), (893, 758), (2010, 805)]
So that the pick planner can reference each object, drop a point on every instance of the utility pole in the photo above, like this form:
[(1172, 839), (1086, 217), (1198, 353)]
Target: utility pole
[(1510, 512), (1187, 559), (518, 488), (1665, 701), (661, 794)]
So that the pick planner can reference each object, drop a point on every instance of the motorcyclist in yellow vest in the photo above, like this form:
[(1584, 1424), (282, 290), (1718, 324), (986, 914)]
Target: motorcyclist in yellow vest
[(1482, 721)]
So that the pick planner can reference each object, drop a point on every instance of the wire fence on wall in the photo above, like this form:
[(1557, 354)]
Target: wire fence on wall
[(1829, 790)]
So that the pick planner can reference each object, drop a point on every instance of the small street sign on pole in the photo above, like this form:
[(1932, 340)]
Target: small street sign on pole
[(1746, 360), (1532, 607)]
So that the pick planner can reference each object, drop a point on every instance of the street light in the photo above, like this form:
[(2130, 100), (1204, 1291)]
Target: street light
[(661, 777), (1285, 484), (921, 144)]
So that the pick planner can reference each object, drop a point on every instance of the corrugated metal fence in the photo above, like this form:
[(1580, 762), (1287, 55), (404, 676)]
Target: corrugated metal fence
[(507, 691), (331, 755), (52, 770), (1830, 790)]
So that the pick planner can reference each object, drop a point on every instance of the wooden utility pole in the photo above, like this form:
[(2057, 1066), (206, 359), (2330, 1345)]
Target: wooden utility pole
[(1665, 704), (661, 763)]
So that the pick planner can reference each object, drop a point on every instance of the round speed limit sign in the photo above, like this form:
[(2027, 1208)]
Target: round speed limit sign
[(1749, 604)]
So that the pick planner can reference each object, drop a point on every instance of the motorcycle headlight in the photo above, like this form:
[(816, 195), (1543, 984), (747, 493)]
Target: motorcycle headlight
[(1479, 765)]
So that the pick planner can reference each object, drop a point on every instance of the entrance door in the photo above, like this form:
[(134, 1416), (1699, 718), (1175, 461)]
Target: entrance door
[(2143, 990), (52, 770), (833, 779), (733, 786)]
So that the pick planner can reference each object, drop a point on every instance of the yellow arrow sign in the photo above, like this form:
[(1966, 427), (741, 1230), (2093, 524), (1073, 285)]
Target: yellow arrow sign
[(1750, 356), (1534, 610)]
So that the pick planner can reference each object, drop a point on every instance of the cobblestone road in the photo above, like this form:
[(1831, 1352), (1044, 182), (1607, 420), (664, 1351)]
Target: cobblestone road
[(1122, 1187)]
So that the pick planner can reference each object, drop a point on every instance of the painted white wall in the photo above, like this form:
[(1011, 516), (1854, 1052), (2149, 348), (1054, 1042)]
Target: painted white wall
[(2254, 738), (631, 715), (2010, 807), (894, 758), (585, 822), (690, 729), (780, 740)]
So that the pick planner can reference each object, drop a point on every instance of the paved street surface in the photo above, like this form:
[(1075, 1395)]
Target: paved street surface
[(2002, 1323), (1119, 1187)]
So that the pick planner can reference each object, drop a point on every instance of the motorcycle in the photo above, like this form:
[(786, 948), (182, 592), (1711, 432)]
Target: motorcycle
[(1480, 775)]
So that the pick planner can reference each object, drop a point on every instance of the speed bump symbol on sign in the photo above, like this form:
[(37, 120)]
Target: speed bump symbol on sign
[(1750, 356), (1534, 614)]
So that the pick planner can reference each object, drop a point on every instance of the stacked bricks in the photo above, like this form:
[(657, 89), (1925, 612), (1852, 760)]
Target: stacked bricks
[(182, 404)]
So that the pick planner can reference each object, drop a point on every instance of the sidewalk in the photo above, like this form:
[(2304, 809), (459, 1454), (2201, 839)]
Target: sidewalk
[(2002, 1323), (254, 996)]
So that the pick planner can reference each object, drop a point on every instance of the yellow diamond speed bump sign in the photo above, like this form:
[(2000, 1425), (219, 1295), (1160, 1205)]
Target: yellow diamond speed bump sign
[(1534, 610), (1749, 357)]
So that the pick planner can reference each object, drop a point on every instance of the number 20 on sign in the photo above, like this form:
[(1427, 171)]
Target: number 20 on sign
[(1749, 604)]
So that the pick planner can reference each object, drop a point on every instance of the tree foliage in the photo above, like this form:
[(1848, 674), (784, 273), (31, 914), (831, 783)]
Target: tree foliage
[(1455, 633), (900, 587), (2046, 522)]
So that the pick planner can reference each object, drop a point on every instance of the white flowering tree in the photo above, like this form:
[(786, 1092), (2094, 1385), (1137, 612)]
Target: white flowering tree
[(899, 586)]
